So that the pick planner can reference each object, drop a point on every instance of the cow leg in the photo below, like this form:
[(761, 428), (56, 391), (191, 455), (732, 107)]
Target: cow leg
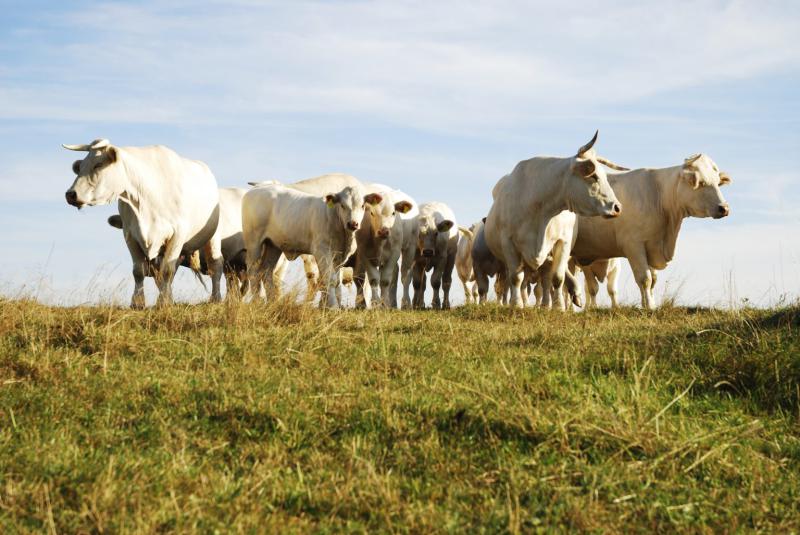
[(500, 290), (546, 278), (359, 277), (388, 274), (513, 264), (481, 284), (256, 258), (407, 275), (277, 274), (436, 283), (560, 261), (329, 276), (271, 259), (611, 284), (419, 284), (394, 285), (374, 277), (592, 288), (215, 265), (467, 292), (643, 276), (166, 272), (447, 280), (140, 269)]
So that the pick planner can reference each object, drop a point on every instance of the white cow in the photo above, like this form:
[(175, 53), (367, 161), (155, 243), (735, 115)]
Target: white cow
[(229, 231), (464, 262), (518, 230), (379, 242), (434, 236), (320, 185), (169, 207), (279, 220), (656, 201)]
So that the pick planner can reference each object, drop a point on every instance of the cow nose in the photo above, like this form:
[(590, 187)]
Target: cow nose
[(616, 209), (427, 252), (723, 210), (353, 225), (383, 232), (72, 197)]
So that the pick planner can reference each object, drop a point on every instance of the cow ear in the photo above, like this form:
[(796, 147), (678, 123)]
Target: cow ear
[(76, 167), (691, 177), (373, 199), (111, 154), (403, 207), (584, 168), (724, 179), (331, 200), (444, 226), (483, 220), (115, 221)]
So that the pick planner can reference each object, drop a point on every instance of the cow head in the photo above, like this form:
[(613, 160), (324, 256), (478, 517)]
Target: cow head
[(588, 190), (349, 206), (382, 213), (698, 188), (99, 179), (431, 234)]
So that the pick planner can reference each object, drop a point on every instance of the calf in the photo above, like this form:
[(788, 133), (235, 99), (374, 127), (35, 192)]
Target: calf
[(281, 220), (434, 235)]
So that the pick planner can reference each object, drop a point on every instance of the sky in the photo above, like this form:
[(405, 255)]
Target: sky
[(439, 99)]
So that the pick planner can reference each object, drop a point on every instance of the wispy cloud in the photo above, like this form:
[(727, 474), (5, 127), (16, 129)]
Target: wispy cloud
[(431, 65)]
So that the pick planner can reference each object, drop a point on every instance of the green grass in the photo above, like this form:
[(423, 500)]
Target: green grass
[(284, 418)]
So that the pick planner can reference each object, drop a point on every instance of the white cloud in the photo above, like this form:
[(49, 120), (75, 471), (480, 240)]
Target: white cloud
[(434, 65)]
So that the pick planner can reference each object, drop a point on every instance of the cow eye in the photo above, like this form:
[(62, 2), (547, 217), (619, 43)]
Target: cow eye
[(76, 167)]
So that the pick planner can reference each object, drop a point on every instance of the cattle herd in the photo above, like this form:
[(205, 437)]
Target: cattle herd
[(550, 217)]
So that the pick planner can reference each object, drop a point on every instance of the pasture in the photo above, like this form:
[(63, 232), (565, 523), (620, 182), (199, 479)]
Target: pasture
[(282, 417)]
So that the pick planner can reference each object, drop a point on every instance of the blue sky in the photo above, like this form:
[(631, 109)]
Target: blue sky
[(439, 99)]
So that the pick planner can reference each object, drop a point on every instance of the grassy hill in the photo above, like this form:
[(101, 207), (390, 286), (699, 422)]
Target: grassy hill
[(286, 418)]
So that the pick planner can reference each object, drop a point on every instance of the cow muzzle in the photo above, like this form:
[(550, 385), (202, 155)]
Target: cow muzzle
[(383, 233), (352, 225), (614, 211), (72, 198), (427, 253), (723, 210)]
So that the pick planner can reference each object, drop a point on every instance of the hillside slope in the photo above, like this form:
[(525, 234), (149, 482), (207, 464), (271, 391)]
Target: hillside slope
[(283, 417)]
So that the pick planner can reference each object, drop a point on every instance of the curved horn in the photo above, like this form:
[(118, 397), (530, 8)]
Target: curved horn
[(691, 159), (83, 148), (589, 145), (611, 165), (97, 144)]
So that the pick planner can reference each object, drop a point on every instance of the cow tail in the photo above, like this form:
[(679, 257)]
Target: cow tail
[(194, 265)]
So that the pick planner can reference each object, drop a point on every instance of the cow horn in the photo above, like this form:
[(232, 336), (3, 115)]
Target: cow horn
[(589, 145), (691, 159), (611, 165), (97, 144)]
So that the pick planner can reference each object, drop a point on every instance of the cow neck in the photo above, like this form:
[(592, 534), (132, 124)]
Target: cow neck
[(672, 213), (135, 194)]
